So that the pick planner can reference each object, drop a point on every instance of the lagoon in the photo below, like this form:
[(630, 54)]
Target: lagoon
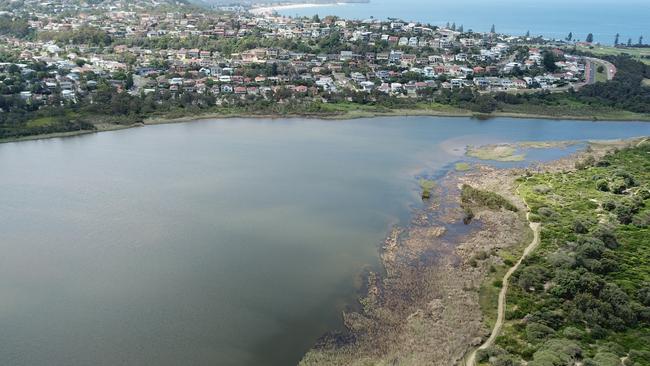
[(234, 242)]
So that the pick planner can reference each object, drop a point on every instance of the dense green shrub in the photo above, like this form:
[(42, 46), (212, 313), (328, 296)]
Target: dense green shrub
[(590, 276), (471, 196)]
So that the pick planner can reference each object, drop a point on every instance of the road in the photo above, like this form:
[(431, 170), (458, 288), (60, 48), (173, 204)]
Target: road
[(591, 68), (501, 309)]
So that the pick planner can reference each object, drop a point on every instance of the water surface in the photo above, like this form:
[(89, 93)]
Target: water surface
[(550, 18), (231, 242)]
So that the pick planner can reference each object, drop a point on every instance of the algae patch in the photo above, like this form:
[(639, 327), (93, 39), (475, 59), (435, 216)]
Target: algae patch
[(462, 167), (500, 152), (427, 186), (511, 152)]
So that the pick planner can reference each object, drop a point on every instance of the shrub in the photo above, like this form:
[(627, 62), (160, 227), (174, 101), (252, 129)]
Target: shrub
[(613, 348), (603, 163), (580, 227), (482, 355), (477, 197), (556, 352), (644, 193), (609, 205), (562, 259), (640, 357), (541, 189), (602, 185), (643, 294), (628, 179), (573, 333), (603, 359), (641, 220), (617, 186), (546, 212), (505, 360), (590, 247), (532, 277), (605, 232), (536, 332), (468, 215), (586, 163), (624, 214)]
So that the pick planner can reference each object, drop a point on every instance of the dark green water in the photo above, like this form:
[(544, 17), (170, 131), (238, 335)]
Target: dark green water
[(233, 242)]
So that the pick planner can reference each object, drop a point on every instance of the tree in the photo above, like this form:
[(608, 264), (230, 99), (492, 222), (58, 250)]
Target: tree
[(549, 61), (616, 39), (461, 29), (453, 26), (590, 38), (569, 37), (493, 29), (629, 42), (129, 81), (640, 40), (527, 34)]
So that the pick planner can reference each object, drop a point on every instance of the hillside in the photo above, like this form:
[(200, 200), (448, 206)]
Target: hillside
[(584, 296)]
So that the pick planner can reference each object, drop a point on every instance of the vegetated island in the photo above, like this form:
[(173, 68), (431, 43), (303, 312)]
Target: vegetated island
[(580, 296)]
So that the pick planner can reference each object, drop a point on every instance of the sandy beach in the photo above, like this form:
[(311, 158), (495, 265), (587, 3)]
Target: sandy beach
[(268, 10)]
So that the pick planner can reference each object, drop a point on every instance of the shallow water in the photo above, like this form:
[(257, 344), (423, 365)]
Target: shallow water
[(234, 242)]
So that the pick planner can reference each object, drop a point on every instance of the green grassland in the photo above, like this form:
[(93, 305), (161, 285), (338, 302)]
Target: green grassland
[(583, 297), (641, 54)]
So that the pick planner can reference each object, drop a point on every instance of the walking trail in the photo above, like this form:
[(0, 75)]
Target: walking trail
[(501, 312)]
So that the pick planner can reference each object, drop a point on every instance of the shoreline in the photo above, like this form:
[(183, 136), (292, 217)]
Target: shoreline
[(437, 304), (269, 10), (426, 308), (324, 116)]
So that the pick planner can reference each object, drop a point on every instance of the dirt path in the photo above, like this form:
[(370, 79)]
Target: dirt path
[(501, 312)]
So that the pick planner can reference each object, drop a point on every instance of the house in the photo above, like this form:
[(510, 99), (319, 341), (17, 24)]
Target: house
[(520, 84), (456, 83), (67, 94), (367, 86), (408, 60), (357, 77)]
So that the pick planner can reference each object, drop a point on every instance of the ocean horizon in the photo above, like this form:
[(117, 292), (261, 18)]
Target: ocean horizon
[(550, 19)]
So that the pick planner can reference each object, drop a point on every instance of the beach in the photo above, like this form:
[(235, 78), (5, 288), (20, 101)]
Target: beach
[(269, 10)]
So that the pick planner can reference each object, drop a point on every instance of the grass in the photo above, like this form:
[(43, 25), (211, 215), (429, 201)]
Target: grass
[(41, 122), (601, 74), (641, 54), (569, 109)]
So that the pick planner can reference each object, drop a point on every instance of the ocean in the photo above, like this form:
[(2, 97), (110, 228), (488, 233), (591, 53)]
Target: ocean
[(550, 18)]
